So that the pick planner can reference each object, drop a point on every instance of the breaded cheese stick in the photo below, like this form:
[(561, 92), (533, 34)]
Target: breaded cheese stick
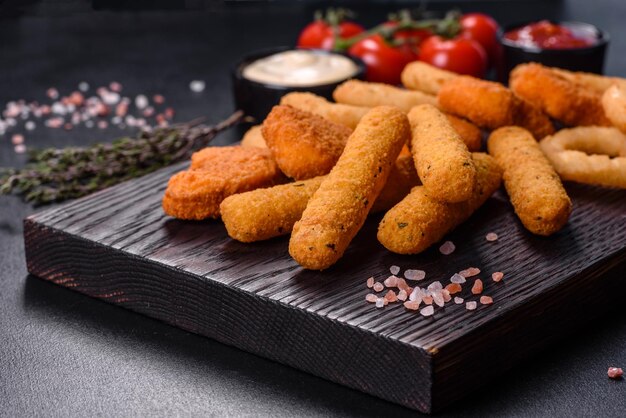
[(426, 78), (303, 144), (469, 133), (343, 114), (535, 189), (443, 163), (253, 138), (402, 178), (218, 172), (363, 93), (339, 207), (419, 221)]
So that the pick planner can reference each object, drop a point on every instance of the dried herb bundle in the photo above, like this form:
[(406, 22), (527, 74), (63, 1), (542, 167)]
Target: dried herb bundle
[(53, 175)]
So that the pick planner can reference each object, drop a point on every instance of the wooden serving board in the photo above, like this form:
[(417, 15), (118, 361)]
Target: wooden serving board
[(118, 246)]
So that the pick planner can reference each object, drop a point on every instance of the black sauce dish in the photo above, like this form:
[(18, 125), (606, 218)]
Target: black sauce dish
[(257, 99), (589, 59)]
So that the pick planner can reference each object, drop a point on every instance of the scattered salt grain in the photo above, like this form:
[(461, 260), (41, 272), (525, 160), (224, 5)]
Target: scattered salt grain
[(378, 287), (477, 288), (412, 305), (492, 236), (391, 281), (470, 272), (197, 86), (102, 124), (486, 300), (141, 101), (470, 306), (52, 93), (115, 86), (428, 300), (370, 282), (371, 298), (391, 296), (17, 139), (148, 112), (402, 285), (447, 248), (158, 99), (615, 372), (415, 274), (434, 287), (394, 270), (20, 148), (380, 302), (402, 295), (446, 295), (457, 278), (438, 299), (427, 311), (54, 122), (453, 288), (89, 124), (458, 300), (497, 276), (83, 86)]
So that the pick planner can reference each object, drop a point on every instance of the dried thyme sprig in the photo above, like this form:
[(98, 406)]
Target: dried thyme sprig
[(53, 175)]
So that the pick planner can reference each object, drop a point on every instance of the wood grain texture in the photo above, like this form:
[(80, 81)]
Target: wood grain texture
[(117, 245)]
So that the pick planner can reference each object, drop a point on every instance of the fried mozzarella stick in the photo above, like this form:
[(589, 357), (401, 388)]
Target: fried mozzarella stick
[(343, 114), (363, 93), (442, 160), (267, 213), (535, 189), (469, 133), (253, 138), (419, 221), (303, 144), (426, 78), (339, 207), (491, 105)]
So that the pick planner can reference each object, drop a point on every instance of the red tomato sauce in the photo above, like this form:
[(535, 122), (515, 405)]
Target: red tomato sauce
[(547, 35)]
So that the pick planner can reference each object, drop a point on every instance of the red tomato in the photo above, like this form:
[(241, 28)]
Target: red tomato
[(320, 34), (482, 29), (384, 62), (409, 39), (461, 56)]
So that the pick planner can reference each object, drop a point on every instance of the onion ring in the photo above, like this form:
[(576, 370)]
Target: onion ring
[(591, 154)]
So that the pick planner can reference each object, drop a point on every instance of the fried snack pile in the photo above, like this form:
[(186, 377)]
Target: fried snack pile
[(343, 114), (361, 93), (215, 173), (339, 207)]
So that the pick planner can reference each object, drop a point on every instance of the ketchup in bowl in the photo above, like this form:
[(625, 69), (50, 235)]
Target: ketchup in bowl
[(548, 35)]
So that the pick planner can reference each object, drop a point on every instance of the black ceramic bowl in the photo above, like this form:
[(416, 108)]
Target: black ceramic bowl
[(589, 59), (257, 99)]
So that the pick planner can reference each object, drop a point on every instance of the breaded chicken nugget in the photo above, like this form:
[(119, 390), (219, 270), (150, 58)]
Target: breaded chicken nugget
[(363, 93), (303, 144), (339, 207), (535, 189), (253, 138), (443, 163), (419, 221), (491, 105), (558, 96), (469, 133), (426, 78), (217, 172), (343, 114)]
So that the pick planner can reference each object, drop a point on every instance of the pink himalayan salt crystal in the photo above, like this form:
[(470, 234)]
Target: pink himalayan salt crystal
[(417, 294), (378, 287), (102, 124), (54, 122), (391, 281), (615, 372), (438, 298), (115, 86), (477, 288), (402, 285), (427, 311), (19, 149), (415, 274), (158, 99), (428, 300), (435, 286), (17, 139), (402, 295), (458, 300), (492, 236), (380, 302), (412, 305), (370, 282), (391, 296), (469, 272), (68, 126), (446, 295), (447, 248), (394, 270), (453, 288), (470, 306), (371, 298), (52, 93), (486, 300), (497, 276), (457, 278)]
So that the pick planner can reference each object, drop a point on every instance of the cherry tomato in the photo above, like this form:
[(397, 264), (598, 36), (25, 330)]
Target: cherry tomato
[(321, 35), (482, 29), (459, 55), (409, 39), (384, 62)]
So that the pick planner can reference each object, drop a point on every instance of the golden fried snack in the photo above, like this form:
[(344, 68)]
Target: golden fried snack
[(569, 152), (614, 105), (469, 133), (535, 190), (267, 213), (491, 105), (253, 138), (419, 221), (426, 78), (218, 172), (343, 114), (558, 96), (303, 144), (363, 93), (443, 163), (596, 82), (339, 207)]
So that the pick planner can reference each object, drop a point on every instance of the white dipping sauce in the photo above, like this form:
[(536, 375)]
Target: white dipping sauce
[(300, 68)]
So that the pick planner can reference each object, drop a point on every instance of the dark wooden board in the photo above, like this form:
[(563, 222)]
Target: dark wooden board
[(118, 246)]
